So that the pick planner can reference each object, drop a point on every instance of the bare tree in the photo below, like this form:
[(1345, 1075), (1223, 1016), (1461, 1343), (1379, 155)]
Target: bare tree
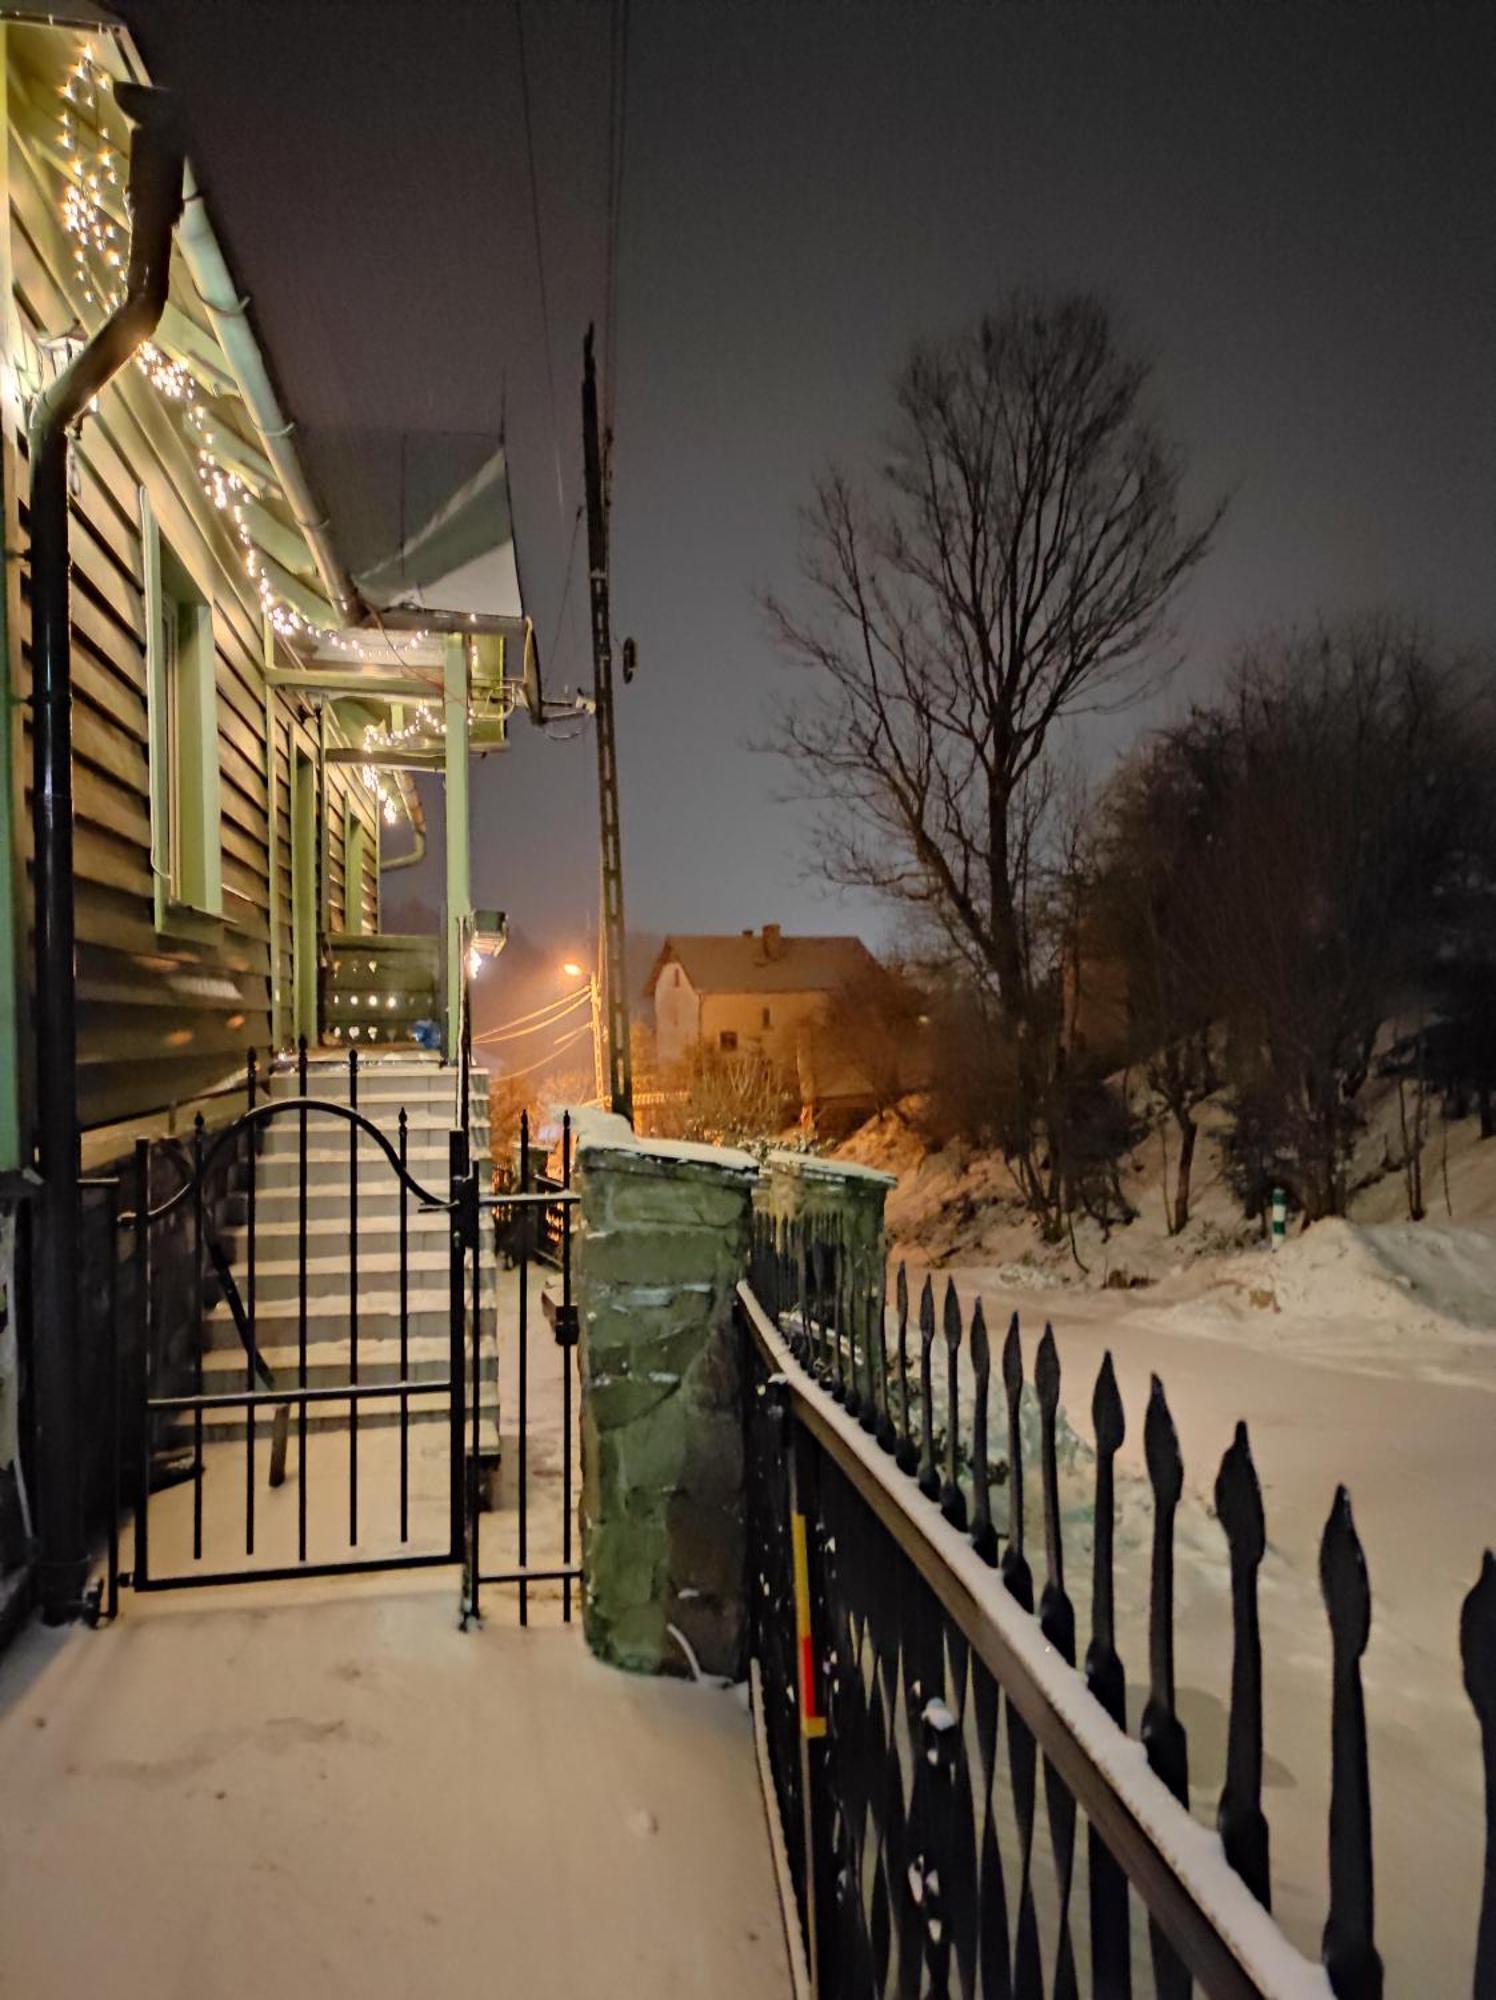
[(871, 1033), (1357, 763), (1013, 567), (1148, 915)]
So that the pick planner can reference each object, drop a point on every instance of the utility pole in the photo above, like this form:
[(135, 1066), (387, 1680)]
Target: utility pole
[(615, 975)]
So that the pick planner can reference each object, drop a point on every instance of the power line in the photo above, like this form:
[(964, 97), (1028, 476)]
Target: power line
[(513, 1075), (571, 556), (545, 307), (553, 1011)]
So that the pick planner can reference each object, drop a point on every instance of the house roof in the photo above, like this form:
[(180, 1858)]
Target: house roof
[(738, 962)]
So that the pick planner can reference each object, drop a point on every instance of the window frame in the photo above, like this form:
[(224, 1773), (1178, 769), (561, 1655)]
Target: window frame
[(186, 812)]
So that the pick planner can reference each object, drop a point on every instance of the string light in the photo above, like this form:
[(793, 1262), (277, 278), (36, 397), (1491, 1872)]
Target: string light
[(91, 169)]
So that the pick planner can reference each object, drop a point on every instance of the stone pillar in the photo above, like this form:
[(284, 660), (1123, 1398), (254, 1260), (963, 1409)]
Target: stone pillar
[(836, 1198), (662, 1244)]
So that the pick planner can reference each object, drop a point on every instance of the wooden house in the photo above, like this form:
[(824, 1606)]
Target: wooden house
[(245, 719)]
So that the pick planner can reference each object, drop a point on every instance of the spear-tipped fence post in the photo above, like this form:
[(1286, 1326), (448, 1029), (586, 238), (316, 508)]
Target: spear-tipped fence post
[(1244, 1835), (1057, 1623), (1028, 1974), (1478, 1658), (886, 1435), (1349, 1952), (906, 1455), (983, 1535), (1163, 1733), (1016, 1573), (1056, 1614), (820, 1281), (929, 1478), (1111, 1946), (952, 1499)]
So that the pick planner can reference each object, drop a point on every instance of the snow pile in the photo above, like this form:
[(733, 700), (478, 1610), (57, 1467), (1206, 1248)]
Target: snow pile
[(1404, 1275)]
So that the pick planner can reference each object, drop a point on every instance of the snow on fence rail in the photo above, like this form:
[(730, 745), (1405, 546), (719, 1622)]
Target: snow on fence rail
[(893, 1628)]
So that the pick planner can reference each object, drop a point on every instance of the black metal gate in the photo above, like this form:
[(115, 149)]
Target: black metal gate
[(319, 1410)]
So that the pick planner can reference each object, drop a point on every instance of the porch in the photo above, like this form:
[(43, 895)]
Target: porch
[(352, 1796)]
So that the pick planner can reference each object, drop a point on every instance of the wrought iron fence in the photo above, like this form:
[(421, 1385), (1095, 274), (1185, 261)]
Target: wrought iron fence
[(532, 1223), (232, 1333), (897, 1646)]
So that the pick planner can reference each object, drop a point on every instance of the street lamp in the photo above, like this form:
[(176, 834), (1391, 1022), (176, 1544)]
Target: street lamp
[(574, 970)]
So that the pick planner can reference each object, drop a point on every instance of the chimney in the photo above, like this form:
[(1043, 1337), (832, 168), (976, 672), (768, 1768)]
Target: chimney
[(773, 944)]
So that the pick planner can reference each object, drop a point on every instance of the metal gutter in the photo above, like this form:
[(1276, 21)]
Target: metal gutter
[(155, 202)]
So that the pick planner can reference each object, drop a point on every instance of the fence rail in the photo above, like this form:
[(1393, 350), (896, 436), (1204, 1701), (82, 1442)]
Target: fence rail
[(898, 1640)]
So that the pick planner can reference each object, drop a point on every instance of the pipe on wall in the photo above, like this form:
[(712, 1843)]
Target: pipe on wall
[(155, 202)]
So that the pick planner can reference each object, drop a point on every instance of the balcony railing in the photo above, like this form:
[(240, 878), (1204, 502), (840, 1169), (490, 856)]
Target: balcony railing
[(377, 987)]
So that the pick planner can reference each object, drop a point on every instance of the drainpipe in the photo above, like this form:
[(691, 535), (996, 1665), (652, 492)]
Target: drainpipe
[(155, 202)]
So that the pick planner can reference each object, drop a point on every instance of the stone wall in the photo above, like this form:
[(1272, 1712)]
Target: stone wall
[(835, 1198), (662, 1244)]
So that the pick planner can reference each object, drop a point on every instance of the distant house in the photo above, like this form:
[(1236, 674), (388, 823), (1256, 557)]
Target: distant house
[(751, 990)]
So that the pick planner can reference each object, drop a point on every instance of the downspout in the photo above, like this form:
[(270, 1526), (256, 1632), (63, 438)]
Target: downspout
[(417, 852), (155, 202)]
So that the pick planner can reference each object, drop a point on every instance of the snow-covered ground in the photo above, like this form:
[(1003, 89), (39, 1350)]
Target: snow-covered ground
[(323, 1786), (1373, 1363), (1365, 1352)]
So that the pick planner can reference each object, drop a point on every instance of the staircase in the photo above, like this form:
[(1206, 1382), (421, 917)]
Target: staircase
[(427, 1093)]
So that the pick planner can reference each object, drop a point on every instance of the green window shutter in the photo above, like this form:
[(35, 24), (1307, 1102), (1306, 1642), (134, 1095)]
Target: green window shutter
[(200, 885), (156, 709), (182, 724), (355, 851)]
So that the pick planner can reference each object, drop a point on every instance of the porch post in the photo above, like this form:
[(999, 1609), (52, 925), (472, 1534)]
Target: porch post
[(272, 837), (459, 873)]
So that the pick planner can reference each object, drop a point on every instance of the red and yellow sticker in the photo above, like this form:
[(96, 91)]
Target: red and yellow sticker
[(812, 1722)]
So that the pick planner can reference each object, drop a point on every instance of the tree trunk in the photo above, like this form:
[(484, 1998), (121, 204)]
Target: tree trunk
[(1188, 1132)]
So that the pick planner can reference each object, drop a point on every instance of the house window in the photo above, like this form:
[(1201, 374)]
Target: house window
[(728, 1039), (182, 719), (767, 1022)]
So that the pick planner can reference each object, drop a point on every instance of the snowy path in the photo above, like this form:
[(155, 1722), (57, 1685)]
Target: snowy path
[(1419, 1459), (324, 1786), (344, 1795)]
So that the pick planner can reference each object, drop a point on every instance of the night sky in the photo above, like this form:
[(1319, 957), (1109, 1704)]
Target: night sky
[(1290, 207)]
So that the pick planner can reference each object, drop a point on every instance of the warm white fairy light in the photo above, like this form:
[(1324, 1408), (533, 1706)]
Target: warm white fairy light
[(91, 169)]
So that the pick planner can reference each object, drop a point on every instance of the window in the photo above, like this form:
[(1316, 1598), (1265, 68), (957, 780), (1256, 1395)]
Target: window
[(182, 719), (767, 1022), (728, 1039)]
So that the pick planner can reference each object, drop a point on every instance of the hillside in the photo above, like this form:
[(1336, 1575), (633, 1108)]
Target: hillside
[(957, 1208)]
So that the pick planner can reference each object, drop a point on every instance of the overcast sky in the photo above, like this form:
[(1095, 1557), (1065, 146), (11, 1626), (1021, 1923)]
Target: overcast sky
[(1290, 207)]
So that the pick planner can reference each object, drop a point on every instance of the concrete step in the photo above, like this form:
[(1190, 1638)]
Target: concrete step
[(425, 1133), (279, 1236), (428, 1312), (328, 1201), (328, 1368), (278, 1268), (327, 1237), (328, 1163), (381, 1083)]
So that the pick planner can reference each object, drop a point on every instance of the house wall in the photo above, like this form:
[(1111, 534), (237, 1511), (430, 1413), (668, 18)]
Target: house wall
[(684, 1018), (163, 1016), (742, 1014), (677, 1012)]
